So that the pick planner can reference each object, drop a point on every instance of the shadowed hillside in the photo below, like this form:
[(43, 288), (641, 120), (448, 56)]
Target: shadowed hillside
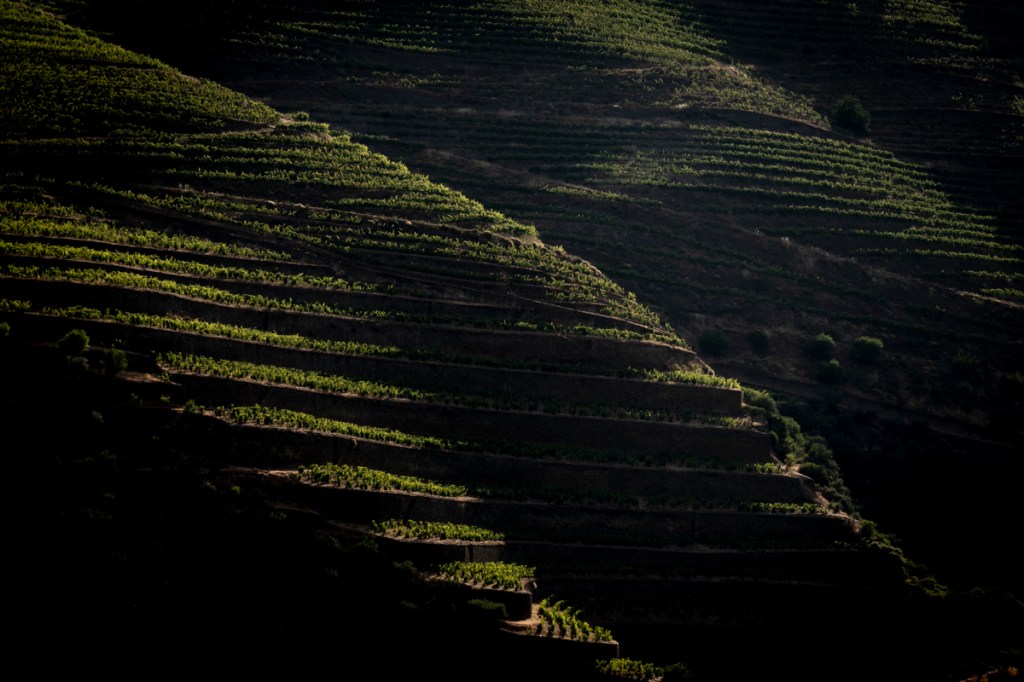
[(693, 154), (270, 373)]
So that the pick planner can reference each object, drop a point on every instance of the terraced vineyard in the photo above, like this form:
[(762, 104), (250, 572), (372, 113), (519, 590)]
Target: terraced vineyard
[(695, 160), (269, 374)]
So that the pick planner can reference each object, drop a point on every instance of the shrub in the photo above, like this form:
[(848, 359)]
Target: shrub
[(866, 349), (965, 360), (5, 330), (786, 436), (676, 672), (627, 669), (850, 115), (713, 342), (759, 342), (868, 529), (815, 472), (821, 347), (487, 610), (829, 372), (114, 360), (641, 671), (78, 364), (73, 343), (761, 399)]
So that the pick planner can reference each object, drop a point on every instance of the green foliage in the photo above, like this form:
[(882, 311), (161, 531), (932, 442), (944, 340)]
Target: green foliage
[(56, 80), (760, 399), (96, 230), (499, 574), (135, 280), (113, 360), (713, 342), (73, 343), (790, 443), (785, 433), (785, 175), (866, 350), (257, 414), (849, 114), (965, 361), (14, 305), (829, 372), (345, 476), (336, 383), (191, 324), (782, 507), (676, 672), (640, 671), (628, 669), (288, 376), (759, 342), (487, 610), (815, 472), (171, 265), (559, 620), (699, 376), (435, 530), (5, 330), (821, 347), (681, 61)]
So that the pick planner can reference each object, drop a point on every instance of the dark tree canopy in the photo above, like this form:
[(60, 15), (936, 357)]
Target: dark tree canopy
[(851, 115)]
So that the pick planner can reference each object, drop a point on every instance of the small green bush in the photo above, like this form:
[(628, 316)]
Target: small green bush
[(676, 672), (627, 669), (851, 115), (641, 671), (114, 360), (821, 347), (73, 343), (487, 610), (713, 342), (829, 372), (965, 360), (761, 399), (5, 330), (815, 472), (78, 364), (759, 342), (866, 350)]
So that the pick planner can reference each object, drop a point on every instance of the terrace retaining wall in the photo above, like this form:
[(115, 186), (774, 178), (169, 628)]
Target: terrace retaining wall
[(650, 438)]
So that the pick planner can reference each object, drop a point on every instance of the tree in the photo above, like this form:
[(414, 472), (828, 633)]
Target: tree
[(821, 347), (866, 349), (114, 360), (830, 372), (759, 342), (713, 342), (73, 343), (849, 114)]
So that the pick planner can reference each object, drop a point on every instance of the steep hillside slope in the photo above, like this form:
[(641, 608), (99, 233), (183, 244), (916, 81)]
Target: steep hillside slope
[(688, 151), (259, 374)]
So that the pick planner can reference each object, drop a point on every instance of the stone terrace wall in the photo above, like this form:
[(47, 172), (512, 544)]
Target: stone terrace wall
[(451, 421), (535, 346), (275, 447), (564, 523), (566, 387)]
